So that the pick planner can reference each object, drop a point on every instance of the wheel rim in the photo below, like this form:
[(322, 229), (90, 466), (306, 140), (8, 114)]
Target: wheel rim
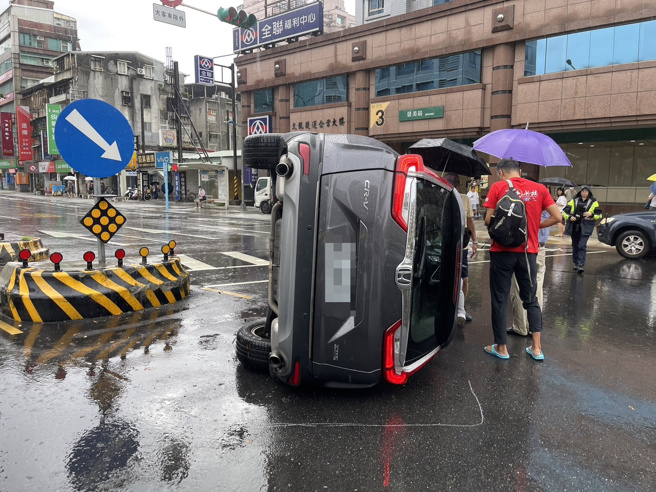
[(258, 331), (633, 245)]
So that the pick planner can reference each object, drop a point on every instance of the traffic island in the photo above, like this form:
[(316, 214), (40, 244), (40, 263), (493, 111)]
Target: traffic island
[(9, 250), (34, 295)]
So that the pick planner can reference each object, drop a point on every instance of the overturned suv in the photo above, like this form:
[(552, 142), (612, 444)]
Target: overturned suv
[(365, 256)]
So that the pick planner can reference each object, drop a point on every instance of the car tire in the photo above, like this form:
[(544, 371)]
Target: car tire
[(263, 151), (254, 346), (632, 244), (265, 207)]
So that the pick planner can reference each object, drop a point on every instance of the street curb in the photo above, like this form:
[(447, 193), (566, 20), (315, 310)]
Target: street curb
[(29, 294), (9, 250)]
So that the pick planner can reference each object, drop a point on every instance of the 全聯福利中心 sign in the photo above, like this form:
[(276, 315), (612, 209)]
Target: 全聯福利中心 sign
[(204, 70), (94, 138), (291, 24)]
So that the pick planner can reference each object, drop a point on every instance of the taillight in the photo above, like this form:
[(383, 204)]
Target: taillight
[(295, 378), (304, 151), (404, 165), (388, 356)]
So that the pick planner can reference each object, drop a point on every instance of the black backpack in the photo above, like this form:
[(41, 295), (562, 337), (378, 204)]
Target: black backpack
[(508, 225)]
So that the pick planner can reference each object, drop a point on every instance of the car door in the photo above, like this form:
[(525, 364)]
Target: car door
[(429, 275)]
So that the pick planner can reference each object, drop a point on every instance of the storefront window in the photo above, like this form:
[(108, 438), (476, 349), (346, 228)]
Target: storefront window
[(323, 91), (263, 101), (629, 43), (424, 75)]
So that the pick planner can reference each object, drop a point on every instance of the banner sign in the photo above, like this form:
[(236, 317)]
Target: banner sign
[(23, 118), (6, 122), (61, 167), (204, 70), (8, 164), (291, 24), (52, 111)]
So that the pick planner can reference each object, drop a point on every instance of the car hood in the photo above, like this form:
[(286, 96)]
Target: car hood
[(637, 215)]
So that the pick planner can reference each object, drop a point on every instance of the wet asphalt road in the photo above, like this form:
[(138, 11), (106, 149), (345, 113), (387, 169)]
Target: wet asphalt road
[(158, 401)]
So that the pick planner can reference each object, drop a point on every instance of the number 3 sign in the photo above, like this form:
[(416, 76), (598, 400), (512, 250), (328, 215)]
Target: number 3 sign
[(172, 3)]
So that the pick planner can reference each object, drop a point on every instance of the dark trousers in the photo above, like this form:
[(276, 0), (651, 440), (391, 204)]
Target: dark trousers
[(503, 265), (579, 245)]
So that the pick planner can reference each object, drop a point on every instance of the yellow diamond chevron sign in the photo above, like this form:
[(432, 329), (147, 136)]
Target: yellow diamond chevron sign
[(103, 220)]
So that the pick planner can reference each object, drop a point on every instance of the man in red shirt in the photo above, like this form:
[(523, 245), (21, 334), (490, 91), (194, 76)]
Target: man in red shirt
[(505, 261)]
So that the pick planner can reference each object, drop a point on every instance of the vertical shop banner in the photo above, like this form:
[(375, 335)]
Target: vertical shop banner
[(24, 127), (6, 122), (52, 111)]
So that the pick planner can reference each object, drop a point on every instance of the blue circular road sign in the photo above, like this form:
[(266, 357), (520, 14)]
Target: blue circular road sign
[(94, 138)]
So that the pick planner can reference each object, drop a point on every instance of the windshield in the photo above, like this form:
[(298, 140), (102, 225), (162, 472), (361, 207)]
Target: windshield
[(436, 233)]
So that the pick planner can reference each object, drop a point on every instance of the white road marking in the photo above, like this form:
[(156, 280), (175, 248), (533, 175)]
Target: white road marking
[(65, 235), (10, 218), (152, 231), (236, 283), (194, 265), (247, 258), (546, 256)]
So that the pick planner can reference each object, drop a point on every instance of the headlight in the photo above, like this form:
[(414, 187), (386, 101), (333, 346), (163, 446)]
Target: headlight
[(607, 220)]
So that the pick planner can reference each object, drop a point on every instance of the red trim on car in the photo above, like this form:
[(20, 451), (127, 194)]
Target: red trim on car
[(304, 151)]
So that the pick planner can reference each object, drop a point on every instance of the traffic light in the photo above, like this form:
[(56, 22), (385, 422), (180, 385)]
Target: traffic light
[(236, 17)]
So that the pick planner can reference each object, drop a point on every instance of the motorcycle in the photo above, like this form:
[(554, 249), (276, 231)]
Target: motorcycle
[(131, 193)]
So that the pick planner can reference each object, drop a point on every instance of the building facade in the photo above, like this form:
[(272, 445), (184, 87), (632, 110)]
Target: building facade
[(582, 71)]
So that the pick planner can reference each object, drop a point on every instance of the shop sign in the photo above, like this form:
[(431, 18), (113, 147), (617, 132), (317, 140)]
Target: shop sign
[(421, 113), (317, 124), (23, 118), (146, 159), (46, 167), (61, 167), (7, 98), (52, 111), (8, 164), (6, 122), (6, 76), (167, 138), (11, 171)]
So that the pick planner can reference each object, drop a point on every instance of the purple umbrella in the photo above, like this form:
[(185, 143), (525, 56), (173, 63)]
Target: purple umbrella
[(523, 146)]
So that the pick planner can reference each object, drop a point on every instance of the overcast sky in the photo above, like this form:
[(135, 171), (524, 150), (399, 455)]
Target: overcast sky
[(128, 25)]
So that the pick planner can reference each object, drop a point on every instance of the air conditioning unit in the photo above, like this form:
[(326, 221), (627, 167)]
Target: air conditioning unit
[(141, 71)]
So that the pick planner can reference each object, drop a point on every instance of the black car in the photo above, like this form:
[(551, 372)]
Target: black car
[(364, 262), (633, 234)]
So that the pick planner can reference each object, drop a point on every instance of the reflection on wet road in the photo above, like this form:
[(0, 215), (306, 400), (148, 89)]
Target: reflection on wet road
[(157, 400)]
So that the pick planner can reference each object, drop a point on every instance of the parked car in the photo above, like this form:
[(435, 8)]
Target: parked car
[(364, 262), (633, 234)]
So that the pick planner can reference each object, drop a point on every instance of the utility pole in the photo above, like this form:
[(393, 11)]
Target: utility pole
[(178, 103)]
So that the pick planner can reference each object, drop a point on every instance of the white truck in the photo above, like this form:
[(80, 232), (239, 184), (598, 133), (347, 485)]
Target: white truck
[(263, 195)]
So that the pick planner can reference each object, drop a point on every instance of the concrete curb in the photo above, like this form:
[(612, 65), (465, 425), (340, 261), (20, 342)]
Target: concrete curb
[(38, 296), (9, 250)]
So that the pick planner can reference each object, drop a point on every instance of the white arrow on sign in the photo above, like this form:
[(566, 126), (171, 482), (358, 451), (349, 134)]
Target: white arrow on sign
[(78, 121)]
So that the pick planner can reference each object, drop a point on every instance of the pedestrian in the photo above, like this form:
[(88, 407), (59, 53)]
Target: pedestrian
[(71, 188), (581, 214), (201, 197), (561, 202), (651, 199), (463, 316), (520, 261), (474, 199), (569, 193), (155, 191), (519, 318)]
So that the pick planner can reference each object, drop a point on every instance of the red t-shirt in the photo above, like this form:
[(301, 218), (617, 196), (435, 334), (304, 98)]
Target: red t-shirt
[(536, 197)]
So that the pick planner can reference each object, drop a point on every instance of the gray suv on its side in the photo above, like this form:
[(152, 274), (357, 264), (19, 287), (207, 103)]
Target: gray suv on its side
[(365, 257)]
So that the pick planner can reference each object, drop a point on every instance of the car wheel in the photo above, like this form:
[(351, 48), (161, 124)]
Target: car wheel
[(263, 151), (254, 346), (265, 207), (632, 244)]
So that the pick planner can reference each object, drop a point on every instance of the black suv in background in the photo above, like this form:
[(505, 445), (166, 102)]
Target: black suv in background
[(365, 258)]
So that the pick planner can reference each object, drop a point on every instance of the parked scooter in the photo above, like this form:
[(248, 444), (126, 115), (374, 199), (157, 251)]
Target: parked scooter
[(131, 193)]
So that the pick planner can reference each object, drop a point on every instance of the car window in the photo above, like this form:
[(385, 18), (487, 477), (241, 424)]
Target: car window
[(261, 184), (434, 256)]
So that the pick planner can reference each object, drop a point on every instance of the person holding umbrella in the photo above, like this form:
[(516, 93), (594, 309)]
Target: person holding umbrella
[(651, 199), (581, 215)]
